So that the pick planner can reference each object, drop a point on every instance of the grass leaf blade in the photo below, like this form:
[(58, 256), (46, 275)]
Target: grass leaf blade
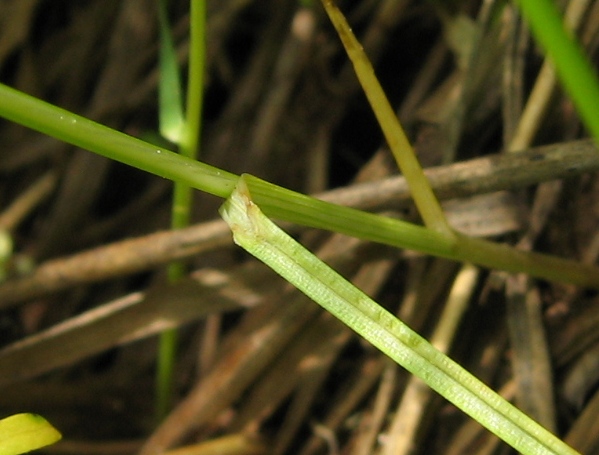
[(254, 232), (171, 117)]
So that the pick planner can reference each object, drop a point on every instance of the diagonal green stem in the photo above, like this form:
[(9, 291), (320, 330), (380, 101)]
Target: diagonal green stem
[(87, 134), (577, 75), (424, 198), (286, 205), (278, 202)]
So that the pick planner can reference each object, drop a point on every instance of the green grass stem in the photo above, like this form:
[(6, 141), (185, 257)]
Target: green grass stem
[(571, 65), (89, 135), (278, 202), (287, 205), (424, 198), (171, 124), (195, 82), (184, 130)]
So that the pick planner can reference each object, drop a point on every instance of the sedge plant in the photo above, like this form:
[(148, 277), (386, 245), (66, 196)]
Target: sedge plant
[(251, 203)]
